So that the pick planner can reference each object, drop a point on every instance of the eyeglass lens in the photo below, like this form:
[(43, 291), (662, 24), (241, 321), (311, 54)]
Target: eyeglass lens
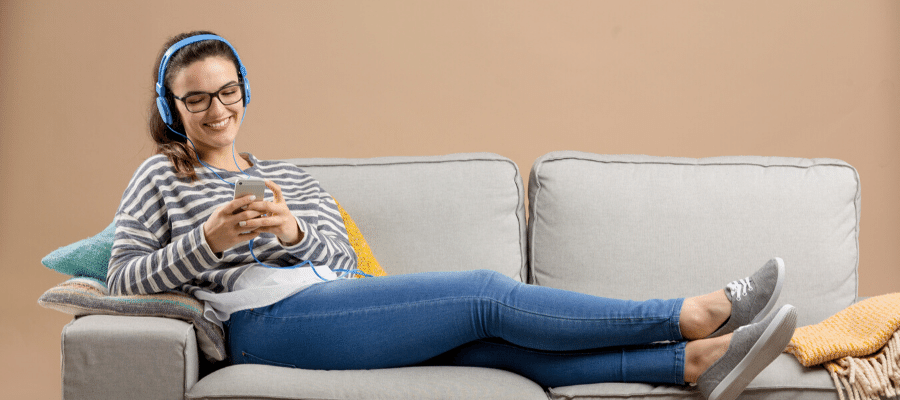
[(201, 101)]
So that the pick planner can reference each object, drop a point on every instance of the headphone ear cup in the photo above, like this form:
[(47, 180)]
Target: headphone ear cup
[(246, 91), (164, 112)]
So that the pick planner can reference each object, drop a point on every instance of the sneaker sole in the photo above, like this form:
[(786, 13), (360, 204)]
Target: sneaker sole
[(766, 349), (775, 293)]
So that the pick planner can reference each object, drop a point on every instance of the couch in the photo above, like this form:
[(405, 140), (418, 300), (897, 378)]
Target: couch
[(622, 226)]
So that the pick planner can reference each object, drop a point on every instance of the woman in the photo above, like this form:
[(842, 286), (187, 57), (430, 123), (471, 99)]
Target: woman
[(269, 270)]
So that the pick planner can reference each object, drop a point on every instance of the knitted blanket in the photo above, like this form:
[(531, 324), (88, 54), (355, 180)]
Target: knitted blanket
[(859, 346)]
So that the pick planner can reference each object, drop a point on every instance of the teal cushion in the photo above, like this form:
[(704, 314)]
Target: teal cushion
[(88, 258)]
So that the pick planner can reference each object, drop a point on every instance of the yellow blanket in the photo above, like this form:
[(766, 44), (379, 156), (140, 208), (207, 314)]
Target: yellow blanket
[(860, 346)]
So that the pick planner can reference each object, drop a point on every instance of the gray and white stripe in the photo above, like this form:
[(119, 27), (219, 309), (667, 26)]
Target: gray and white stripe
[(159, 243)]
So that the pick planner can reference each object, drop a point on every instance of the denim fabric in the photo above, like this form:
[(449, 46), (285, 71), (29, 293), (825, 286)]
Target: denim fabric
[(656, 363), (411, 319)]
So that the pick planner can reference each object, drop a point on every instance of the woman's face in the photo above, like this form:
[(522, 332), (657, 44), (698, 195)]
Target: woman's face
[(215, 128)]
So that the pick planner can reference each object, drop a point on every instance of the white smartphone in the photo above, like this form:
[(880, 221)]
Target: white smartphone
[(254, 186)]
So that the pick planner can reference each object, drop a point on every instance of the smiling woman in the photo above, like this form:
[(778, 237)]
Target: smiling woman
[(195, 73)]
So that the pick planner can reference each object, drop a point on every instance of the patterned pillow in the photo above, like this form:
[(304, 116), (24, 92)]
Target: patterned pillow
[(85, 296)]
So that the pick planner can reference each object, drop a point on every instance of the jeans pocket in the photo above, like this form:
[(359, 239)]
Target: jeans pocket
[(251, 359)]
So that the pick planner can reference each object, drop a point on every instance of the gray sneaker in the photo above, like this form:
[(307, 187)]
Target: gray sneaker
[(753, 297), (752, 348)]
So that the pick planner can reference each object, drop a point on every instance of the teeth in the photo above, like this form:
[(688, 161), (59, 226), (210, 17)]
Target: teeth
[(218, 124)]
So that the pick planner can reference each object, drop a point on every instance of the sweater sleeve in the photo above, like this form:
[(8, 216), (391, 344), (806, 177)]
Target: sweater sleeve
[(140, 264), (147, 256), (325, 240)]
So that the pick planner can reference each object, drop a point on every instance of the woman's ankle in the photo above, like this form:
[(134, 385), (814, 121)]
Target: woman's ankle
[(699, 355), (702, 315)]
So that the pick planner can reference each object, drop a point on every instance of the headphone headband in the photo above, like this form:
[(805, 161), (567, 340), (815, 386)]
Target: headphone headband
[(161, 101)]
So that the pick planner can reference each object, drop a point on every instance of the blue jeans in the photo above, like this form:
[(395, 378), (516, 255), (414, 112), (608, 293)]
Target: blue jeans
[(474, 318)]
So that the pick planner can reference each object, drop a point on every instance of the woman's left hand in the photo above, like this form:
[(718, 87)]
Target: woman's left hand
[(278, 219)]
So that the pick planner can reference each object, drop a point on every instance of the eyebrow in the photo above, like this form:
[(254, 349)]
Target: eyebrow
[(193, 92)]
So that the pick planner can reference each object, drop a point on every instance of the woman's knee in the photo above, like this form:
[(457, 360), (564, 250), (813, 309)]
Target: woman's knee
[(491, 283), (487, 275)]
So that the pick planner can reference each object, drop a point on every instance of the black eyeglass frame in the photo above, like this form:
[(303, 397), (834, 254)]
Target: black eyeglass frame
[(209, 96)]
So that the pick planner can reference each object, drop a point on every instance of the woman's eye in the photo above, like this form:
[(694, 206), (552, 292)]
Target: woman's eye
[(194, 100)]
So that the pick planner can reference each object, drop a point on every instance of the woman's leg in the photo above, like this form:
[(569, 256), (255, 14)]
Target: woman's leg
[(657, 363), (407, 319)]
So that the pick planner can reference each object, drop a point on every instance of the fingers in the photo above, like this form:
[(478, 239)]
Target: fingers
[(262, 224), (276, 190), (237, 205), (222, 230), (246, 215), (257, 216), (271, 209), (276, 219)]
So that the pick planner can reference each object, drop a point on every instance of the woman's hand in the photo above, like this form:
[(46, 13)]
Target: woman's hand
[(276, 218), (243, 219), (223, 228)]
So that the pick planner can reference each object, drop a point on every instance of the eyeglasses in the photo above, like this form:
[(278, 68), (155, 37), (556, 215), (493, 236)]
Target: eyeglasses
[(200, 101)]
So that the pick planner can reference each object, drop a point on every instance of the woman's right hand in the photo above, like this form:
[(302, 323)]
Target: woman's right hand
[(223, 228)]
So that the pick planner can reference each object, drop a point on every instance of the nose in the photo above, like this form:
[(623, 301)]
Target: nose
[(215, 104)]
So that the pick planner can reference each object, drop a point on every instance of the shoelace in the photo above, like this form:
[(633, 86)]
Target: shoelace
[(739, 287)]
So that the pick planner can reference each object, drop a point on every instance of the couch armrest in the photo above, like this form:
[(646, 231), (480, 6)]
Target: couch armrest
[(120, 357)]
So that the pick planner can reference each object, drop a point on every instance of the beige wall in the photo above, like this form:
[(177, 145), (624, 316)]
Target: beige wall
[(382, 78)]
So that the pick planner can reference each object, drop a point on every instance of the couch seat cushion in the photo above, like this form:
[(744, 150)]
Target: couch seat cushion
[(785, 378), (248, 381)]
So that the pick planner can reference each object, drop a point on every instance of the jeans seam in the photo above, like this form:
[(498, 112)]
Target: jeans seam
[(465, 298), (678, 369), (675, 325), (254, 359)]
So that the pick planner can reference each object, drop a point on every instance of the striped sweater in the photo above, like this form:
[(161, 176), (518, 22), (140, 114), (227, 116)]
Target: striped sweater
[(160, 245)]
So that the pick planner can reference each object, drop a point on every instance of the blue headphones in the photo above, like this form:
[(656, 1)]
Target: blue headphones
[(161, 101)]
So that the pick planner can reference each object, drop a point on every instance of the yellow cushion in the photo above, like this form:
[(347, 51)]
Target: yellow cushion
[(365, 260)]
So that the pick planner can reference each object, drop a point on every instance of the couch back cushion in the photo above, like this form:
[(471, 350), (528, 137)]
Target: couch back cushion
[(433, 213), (640, 227)]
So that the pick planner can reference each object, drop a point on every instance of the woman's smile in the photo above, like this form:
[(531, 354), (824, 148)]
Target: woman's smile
[(219, 124)]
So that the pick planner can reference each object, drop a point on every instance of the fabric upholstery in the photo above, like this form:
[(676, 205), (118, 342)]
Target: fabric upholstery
[(115, 357), (248, 381), (783, 379), (436, 213), (640, 227)]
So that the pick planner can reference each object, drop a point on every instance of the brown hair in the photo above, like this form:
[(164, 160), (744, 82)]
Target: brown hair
[(172, 145)]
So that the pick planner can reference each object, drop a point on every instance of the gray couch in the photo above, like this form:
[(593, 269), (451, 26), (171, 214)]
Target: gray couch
[(635, 227)]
